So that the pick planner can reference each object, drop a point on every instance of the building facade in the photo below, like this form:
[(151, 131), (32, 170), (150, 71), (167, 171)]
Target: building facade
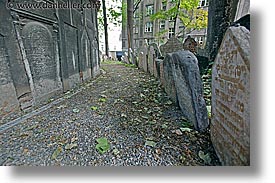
[(114, 32), (158, 31), (45, 50)]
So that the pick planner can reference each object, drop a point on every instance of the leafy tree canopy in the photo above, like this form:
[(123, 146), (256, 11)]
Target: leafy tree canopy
[(188, 11)]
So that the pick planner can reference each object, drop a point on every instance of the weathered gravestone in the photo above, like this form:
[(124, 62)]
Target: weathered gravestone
[(169, 82), (40, 52), (190, 44), (230, 125), (159, 70), (140, 59), (151, 59), (145, 57), (172, 45), (156, 49), (183, 84)]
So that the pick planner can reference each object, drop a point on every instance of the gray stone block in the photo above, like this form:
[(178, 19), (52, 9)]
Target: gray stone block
[(184, 86), (230, 121)]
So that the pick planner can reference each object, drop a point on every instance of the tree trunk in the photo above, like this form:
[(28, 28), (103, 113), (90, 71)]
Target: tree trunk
[(130, 10), (105, 28), (175, 20)]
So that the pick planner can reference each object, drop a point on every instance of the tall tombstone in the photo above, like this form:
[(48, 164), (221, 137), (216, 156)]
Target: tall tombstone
[(140, 59), (156, 49), (190, 44), (169, 82), (230, 126), (172, 45), (40, 55), (184, 87), (145, 57), (151, 59)]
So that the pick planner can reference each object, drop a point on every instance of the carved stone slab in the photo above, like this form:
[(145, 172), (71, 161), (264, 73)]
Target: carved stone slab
[(230, 125), (172, 45)]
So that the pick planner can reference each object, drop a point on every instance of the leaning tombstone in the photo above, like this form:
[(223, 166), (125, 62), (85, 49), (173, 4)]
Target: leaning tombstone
[(172, 45), (190, 44), (182, 83), (189, 90), (151, 59)]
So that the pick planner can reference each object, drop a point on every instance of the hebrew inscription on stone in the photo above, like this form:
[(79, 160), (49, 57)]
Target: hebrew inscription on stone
[(230, 123)]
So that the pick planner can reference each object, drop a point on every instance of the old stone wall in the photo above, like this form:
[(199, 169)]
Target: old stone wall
[(230, 124), (220, 15), (44, 52)]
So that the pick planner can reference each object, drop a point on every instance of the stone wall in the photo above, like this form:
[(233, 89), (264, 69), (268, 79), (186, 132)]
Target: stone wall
[(230, 124), (44, 52), (220, 15)]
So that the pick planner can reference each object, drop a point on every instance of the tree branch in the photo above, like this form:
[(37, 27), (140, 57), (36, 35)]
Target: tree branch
[(136, 5)]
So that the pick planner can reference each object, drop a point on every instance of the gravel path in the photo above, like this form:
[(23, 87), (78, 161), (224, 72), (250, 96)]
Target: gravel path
[(124, 105)]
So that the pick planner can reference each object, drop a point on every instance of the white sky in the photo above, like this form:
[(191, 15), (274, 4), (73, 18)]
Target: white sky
[(114, 32)]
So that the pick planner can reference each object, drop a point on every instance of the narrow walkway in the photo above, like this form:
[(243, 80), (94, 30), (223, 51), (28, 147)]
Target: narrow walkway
[(124, 105)]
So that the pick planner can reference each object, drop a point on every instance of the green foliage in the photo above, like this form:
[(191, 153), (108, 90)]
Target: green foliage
[(187, 11), (94, 108), (205, 157), (103, 145)]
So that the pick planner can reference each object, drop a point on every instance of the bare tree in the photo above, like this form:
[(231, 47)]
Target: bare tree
[(105, 28), (130, 11)]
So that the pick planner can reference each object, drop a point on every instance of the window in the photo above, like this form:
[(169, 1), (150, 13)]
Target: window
[(203, 3), (162, 24), (163, 6), (149, 10), (171, 32), (200, 40), (149, 27)]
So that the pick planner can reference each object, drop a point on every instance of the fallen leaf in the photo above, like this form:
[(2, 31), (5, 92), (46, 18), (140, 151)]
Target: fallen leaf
[(164, 126), (94, 108), (205, 157), (25, 150), (123, 115), (61, 106), (150, 143), (116, 151), (178, 132), (70, 146), (102, 99), (141, 95), (24, 135), (31, 127), (186, 129), (158, 151), (103, 96), (144, 117), (103, 145), (76, 110), (169, 102), (74, 139), (57, 152)]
